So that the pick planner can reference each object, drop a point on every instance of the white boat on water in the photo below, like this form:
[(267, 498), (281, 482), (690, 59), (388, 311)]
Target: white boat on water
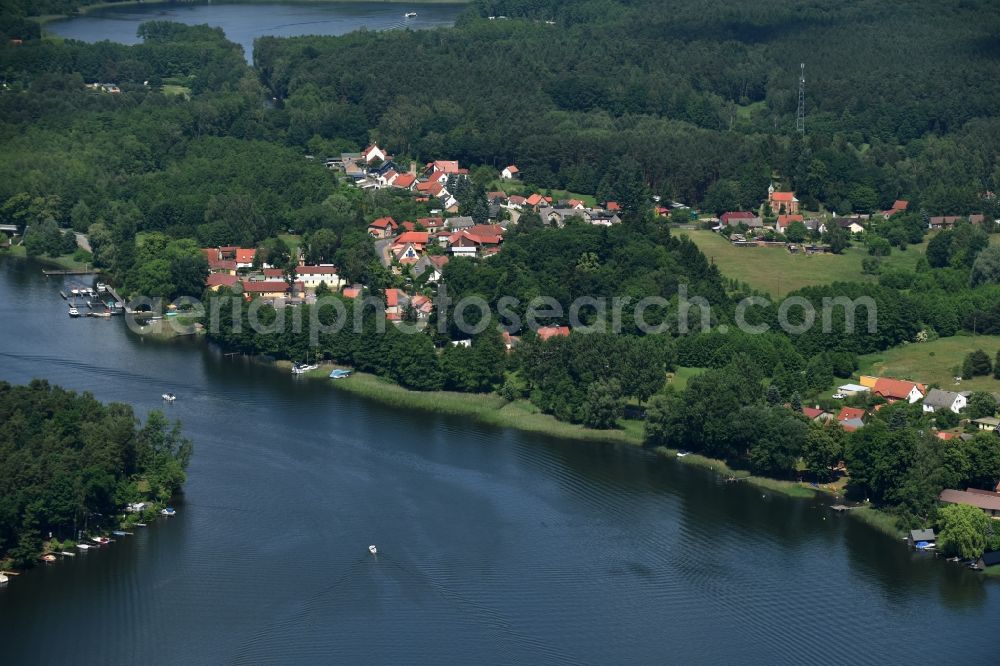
[(372, 549), (169, 397), (299, 369), (681, 454), (73, 312), (84, 547), (410, 15), (101, 540), (169, 511)]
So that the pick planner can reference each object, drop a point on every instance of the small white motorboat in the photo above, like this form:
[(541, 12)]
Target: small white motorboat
[(84, 547), (168, 512), (372, 549), (101, 540), (73, 312), (681, 454), (299, 369), (410, 15), (169, 397)]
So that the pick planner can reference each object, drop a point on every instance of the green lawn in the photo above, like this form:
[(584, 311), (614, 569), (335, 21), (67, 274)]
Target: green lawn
[(680, 378), (777, 272), (517, 187), (181, 91), (65, 262), (934, 362), (292, 241)]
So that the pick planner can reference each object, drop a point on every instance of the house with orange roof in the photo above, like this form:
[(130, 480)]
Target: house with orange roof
[(548, 332), (422, 305), (383, 227), (216, 281), (612, 206), (446, 166), (897, 389), (245, 257), (431, 224), (851, 418), (534, 201), (419, 238), (782, 203), (404, 181), (898, 206), (510, 173), (352, 292), (576, 204), (516, 201), (785, 220)]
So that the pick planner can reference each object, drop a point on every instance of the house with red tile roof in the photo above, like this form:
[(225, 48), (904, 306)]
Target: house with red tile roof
[(815, 413), (898, 206), (352, 292), (404, 181), (612, 206), (383, 227), (897, 389), (516, 201), (510, 173), (535, 200), (737, 217), (431, 224), (311, 276), (848, 413), (548, 332), (498, 196), (785, 220), (446, 166), (216, 281), (245, 257), (423, 305), (271, 288), (373, 152)]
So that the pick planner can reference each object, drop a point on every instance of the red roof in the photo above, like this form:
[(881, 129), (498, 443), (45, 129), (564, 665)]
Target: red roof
[(408, 226), (546, 332), (221, 280), (404, 180), (782, 196), (391, 298), (415, 237), (534, 199), (447, 166), (612, 205), (517, 199), (244, 256), (893, 388), (900, 204), (946, 436), (265, 287), (812, 412), (512, 168), (352, 292), (847, 413), (430, 222), (487, 229), (439, 260), (383, 223), (785, 220), (736, 215), (274, 273), (491, 196)]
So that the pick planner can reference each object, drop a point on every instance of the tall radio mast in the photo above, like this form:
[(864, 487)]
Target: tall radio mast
[(800, 115)]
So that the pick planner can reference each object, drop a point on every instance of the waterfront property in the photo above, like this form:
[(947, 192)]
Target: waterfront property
[(986, 500)]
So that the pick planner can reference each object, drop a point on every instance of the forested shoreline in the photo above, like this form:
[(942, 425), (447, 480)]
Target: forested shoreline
[(70, 464), (619, 100)]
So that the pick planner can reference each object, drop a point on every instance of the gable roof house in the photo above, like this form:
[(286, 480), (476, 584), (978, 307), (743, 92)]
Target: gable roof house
[(897, 389), (383, 227), (986, 501), (737, 217), (898, 206), (851, 418), (850, 224), (372, 153), (510, 173), (431, 224), (459, 223), (785, 220), (938, 400), (548, 332), (245, 257)]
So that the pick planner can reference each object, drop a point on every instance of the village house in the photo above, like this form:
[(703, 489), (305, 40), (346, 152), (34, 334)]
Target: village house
[(851, 418), (423, 306), (816, 414), (548, 332), (431, 224), (849, 224), (272, 289), (404, 181), (433, 265), (782, 203), (853, 389), (897, 389), (312, 276), (988, 502), (784, 220), (216, 262), (373, 153), (938, 400), (244, 257), (459, 223), (216, 281), (395, 304), (988, 424), (737, 217), (898, 206), (510, 173), (383, 227)]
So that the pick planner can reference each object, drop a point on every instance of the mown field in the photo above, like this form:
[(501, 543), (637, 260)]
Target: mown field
[(776, 271)]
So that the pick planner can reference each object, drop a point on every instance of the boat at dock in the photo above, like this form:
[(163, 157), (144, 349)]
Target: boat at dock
[(66, 553), (48, 558), (73, 312), (168, 511), (121, 533), (340, 374), (84, 546), (104, 541), (301, 369)]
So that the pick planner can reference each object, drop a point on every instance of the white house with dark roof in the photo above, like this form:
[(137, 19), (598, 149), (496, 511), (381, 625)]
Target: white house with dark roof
[(938, 400)]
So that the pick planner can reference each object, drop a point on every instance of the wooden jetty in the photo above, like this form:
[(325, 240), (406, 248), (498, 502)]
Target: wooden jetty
[(843, 507), (68, 271)]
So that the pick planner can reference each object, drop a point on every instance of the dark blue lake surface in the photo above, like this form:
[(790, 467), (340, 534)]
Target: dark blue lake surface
[(244, 23), (496, 546)]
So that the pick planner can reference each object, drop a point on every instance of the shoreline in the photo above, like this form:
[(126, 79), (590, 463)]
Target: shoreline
[(43, 19)]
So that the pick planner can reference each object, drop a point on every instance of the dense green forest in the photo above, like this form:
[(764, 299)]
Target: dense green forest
[(698, 99), (70, 463)]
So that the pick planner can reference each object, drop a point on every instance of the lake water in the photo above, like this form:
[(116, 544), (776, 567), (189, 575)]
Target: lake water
[(244, 23), (495, 546)]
